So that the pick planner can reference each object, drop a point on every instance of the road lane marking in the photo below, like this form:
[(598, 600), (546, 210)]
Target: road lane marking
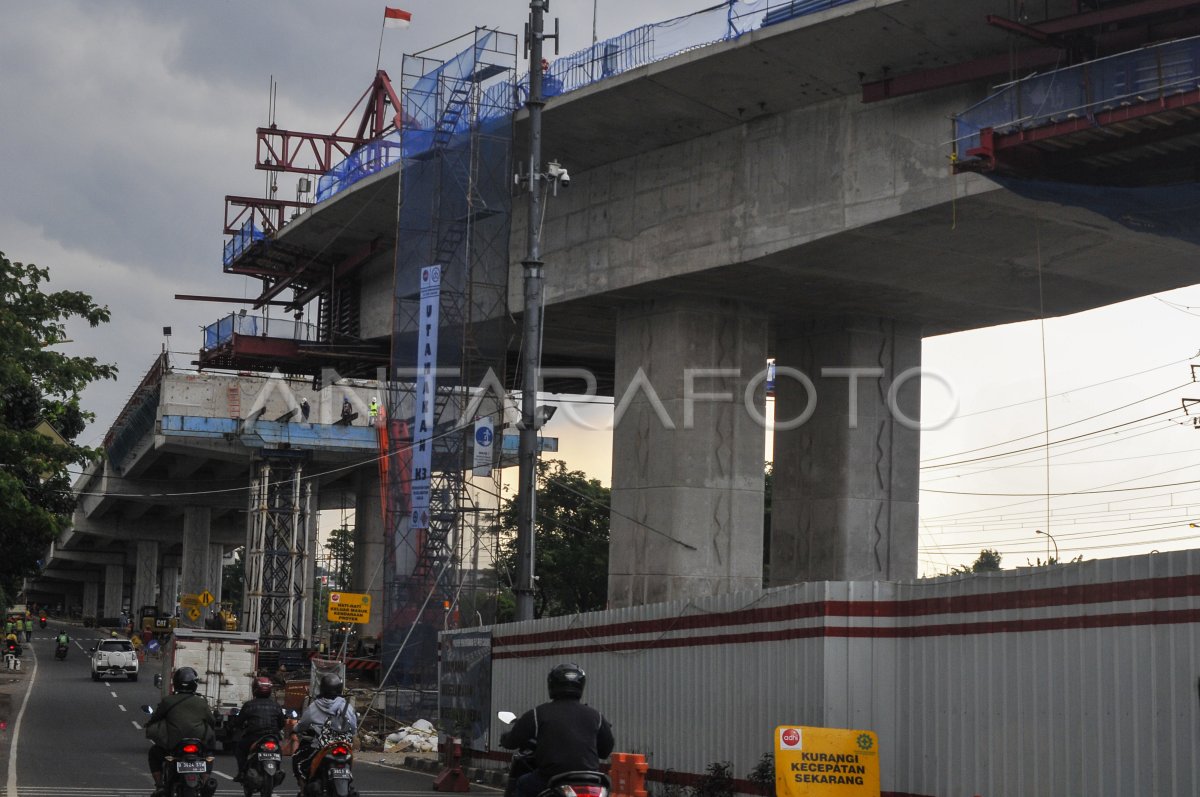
[(120, 707), (106, 683), (114, 694), (139, 727), (16, 734), (222, 774)]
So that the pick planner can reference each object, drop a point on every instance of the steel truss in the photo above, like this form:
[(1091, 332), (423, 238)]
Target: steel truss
[(279, 553)]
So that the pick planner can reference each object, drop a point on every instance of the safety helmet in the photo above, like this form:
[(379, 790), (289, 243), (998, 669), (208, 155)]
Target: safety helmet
[(184, 680), (330, 686), (261, 686), (566, 681)]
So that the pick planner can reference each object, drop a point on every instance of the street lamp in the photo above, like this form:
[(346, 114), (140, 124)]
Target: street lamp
[(1050, 539)]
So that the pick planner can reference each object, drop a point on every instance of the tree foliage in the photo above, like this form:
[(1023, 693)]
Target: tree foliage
[(988, 562), (571, 542), (340, 547), (39, 384)]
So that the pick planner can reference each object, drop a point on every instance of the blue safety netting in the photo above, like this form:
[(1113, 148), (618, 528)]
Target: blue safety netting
[(223, 330), (239, 241), (372, 158), (425, 122), (1078, 92), (1168, 211)]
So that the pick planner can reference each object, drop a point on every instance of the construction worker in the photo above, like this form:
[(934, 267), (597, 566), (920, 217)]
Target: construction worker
[(373, 411), (28, 628)]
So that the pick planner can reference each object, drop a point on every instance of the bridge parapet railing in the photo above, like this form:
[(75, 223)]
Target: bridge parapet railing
[(223, 329), (1147, 74), (240, 241), (642, 45)]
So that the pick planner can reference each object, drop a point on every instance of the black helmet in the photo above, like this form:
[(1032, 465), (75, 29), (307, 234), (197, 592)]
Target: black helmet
[(330, 686), (566, 681), (184, 680)]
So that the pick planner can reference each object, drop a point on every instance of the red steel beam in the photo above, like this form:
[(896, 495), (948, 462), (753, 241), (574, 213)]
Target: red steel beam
[(1030, 31), (953, 75), (1107, 16), (278, 150), (352, 262), (990, 66), (270, 212), (191, 297), (1017, 138)]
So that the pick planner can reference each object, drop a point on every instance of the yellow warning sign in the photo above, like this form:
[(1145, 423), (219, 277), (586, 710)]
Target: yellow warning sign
[(206, 598), (194, 613), (349, 607), (825, 762), (189, 599)]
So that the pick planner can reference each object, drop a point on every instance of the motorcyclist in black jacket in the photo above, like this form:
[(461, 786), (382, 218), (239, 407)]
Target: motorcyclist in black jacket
[(257, 718), (570, 735)]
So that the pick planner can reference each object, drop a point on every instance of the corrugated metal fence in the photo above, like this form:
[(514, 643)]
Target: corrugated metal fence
[(1072, 680)]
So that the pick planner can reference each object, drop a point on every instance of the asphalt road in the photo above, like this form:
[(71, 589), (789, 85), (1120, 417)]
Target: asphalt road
[(79, 738)]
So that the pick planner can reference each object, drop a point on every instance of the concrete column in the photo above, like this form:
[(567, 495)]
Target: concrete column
[(844, 505), (91, 599), (687, 484), (145, 576), (369, 546), (114, 590), (194, 574), (169, 591)]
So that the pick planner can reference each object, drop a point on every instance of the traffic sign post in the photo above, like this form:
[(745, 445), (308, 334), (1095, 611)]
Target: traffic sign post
[(206, 598), (826, 762), (349, 607)]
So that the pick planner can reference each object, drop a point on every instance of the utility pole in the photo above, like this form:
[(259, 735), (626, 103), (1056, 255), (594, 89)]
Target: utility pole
[(531, 351)]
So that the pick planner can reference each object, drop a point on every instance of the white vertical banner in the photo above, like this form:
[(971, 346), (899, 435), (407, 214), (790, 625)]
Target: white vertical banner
[(426, 393), (484, 446)]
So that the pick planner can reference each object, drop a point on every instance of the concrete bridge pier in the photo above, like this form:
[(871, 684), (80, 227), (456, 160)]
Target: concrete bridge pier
[(114, 590), (844, 503), (688, 450), (369, 546), (194, 575), (145, 576), (91, 598)]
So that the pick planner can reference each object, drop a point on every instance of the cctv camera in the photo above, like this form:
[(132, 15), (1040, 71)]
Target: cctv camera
[(556, 172)]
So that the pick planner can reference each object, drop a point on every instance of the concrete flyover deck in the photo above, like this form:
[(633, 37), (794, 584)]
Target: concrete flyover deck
[(740, 201), (157, 517)]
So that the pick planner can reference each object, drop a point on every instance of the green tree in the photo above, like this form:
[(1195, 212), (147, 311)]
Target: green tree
[(39, 384), (571, 542), (340, 547), (233, 580), (988, 562)]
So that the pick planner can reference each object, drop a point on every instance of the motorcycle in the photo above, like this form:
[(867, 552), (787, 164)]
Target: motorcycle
[(566, 784), (264, 768), (42, 621), (186, 771), (325, 770), (60, 651)]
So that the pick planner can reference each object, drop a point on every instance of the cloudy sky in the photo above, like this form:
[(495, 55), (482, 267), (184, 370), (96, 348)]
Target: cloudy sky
[(126, 122)]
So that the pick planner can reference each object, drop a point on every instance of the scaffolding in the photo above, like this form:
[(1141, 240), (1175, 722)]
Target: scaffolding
[(279, 553), (455, 213)]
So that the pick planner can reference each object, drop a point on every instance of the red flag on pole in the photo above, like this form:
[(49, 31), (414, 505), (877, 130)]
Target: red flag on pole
[(395, 18)]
